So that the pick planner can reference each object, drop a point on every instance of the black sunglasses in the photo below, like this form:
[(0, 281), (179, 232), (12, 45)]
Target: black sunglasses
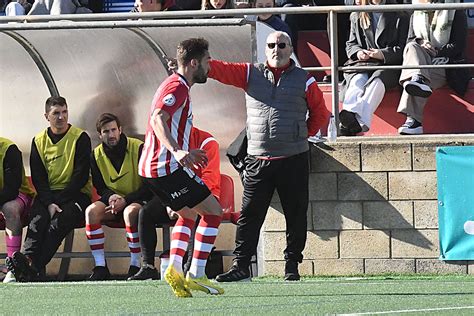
[(280, 45)]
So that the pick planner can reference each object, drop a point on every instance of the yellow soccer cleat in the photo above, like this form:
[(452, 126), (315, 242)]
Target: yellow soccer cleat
[(203, 284), (177, 282)]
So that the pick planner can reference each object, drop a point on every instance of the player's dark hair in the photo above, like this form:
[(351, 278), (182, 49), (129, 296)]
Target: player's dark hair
[(193, 48), (106, 118), (54, 101)]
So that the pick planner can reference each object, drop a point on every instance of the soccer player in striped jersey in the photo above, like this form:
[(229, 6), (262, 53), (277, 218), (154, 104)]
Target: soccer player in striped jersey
[(154, 212), (167, 164), (114, 166)]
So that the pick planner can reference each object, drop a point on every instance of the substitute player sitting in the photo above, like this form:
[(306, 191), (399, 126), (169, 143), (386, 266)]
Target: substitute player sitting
[(114, 166), (16, 197)]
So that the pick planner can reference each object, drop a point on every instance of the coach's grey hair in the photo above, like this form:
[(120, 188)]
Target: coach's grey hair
[(282, 34)]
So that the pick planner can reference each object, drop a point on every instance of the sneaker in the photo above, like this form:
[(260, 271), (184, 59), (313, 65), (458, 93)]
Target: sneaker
[(99, 273), (23, 269), (411, 127), (291, 271), (145, 273), (203, 284), (417, 87), (9, 277), (132, 270), (234, 274), (10, 267), (177, 282), (349, 124)]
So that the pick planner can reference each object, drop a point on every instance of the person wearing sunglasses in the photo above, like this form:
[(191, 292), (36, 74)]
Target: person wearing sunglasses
[(279, 98)]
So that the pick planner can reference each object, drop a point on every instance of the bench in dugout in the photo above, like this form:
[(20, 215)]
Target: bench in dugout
[(229, 216)]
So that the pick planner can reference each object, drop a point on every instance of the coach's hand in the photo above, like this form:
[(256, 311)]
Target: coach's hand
[(116, 204), (53, 209)]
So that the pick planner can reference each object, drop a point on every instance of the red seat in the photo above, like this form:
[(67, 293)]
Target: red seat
[(226, 199)]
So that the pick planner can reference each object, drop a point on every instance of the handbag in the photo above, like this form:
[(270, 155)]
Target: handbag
[(368, 62), (458, 78)]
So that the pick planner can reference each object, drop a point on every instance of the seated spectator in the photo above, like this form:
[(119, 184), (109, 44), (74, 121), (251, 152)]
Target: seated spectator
[(114, 166), (155, 6), (217, 5), (155, 212), (16, 196), (273, 21), (189, 4), (17, 7), (57, 7), (375, 39), (435, 37)]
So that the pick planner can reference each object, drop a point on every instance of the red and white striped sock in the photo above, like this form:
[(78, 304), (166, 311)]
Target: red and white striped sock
[(95, 237), (206, 234), (179, 241), (134, 245)]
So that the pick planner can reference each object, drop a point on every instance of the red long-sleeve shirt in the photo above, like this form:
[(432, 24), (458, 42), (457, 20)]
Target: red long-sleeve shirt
[(211, 174), (237, 75)]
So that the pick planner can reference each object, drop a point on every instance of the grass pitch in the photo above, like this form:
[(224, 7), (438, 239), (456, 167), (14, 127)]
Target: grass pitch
[(449, 295)]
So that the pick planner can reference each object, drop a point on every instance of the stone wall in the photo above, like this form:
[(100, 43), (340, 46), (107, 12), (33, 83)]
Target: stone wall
[(372, 210)]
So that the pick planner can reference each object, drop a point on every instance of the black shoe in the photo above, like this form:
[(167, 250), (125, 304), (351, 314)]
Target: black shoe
[(327, 79), (417, 87), (145, 273), (99, 273), (234, 274), (411, 127), (132, 270), (291, 271), (349, 123), (11, 270), (24, 271)]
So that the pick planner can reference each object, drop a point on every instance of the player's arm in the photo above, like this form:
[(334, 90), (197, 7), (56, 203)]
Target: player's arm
[(318, 114), (12, 174), (235, 74), (160, 120)]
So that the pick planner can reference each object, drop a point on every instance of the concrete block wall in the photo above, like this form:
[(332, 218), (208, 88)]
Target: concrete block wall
[(373, 209)]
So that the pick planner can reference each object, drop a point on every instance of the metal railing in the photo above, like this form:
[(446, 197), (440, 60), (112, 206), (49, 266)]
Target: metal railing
[(150, 19)]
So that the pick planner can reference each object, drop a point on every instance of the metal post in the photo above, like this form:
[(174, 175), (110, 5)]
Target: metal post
[(334, 65)]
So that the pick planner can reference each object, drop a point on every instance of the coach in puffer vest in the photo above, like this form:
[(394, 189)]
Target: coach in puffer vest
[(284, 106)]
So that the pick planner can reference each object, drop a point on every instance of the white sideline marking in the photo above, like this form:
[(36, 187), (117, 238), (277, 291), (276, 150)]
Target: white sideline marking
[(413, 310)]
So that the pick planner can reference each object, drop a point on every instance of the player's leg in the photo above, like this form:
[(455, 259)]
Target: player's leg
[(95, 214), (206, 233), (130, 217), (13, 212)]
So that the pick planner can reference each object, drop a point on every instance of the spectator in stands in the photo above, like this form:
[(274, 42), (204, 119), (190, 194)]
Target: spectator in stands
[(59, 165), (57, 7), (375, 39), (217, 5), (435, 37), (17, 7), (155, 212), (114, 166), (155, 6), (272, 20), (189, 4), (16, 197), (278, 97)]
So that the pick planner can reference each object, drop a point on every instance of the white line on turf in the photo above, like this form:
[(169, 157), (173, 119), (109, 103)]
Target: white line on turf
[(412, 310)]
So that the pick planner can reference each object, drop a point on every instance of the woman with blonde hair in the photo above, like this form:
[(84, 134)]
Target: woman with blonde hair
[(375, 39)]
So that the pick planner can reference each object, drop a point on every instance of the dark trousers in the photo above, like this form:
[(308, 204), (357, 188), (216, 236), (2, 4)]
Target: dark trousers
[(45, 234), (151, 214), (289, 176)]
